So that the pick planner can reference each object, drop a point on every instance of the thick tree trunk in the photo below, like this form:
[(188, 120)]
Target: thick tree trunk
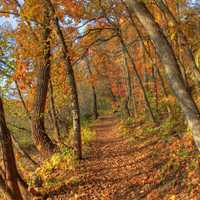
[(40, 138), (170, 64), (8, 157), (72, 83), (95, 108)]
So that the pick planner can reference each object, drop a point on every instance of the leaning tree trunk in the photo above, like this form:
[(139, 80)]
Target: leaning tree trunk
[(8, 157), (40, 138), (170, 64), (71, 81)]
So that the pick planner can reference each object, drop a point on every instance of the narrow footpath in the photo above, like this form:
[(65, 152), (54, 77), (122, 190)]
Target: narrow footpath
[(119, 169)]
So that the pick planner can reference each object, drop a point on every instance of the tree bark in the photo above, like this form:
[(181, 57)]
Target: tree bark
[(40, 138), (72, 83), (166, 54), (8, 157)]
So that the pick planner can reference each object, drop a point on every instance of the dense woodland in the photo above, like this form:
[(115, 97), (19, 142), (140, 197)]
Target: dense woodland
[(100, 99)]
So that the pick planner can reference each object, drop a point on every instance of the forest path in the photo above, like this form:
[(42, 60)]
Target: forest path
[(113, 167)]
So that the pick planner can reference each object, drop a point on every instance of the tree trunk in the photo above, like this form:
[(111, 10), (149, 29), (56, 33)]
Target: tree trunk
[(40, 138), (129, 87), (170, 64), (8, 157), (95, 108), (72, 83), (54, 114)]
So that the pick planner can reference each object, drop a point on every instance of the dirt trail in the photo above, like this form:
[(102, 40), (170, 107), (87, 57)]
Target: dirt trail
[(104, 172), (116, 170), (111, 166)]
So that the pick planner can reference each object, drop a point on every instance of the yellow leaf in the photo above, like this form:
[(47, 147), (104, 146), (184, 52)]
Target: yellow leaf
[(173, 35), (170, 24), (173, 197), (197, 57)]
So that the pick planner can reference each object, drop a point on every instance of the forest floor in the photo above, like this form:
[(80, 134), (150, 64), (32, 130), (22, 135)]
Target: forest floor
[(118, 168)]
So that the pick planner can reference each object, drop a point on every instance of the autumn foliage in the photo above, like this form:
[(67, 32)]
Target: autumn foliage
[(94, 86)]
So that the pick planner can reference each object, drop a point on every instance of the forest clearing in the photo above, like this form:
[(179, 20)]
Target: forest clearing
[(100, 99)]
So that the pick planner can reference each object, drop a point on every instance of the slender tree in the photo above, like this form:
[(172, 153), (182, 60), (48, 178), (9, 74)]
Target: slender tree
[(71, 80)]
